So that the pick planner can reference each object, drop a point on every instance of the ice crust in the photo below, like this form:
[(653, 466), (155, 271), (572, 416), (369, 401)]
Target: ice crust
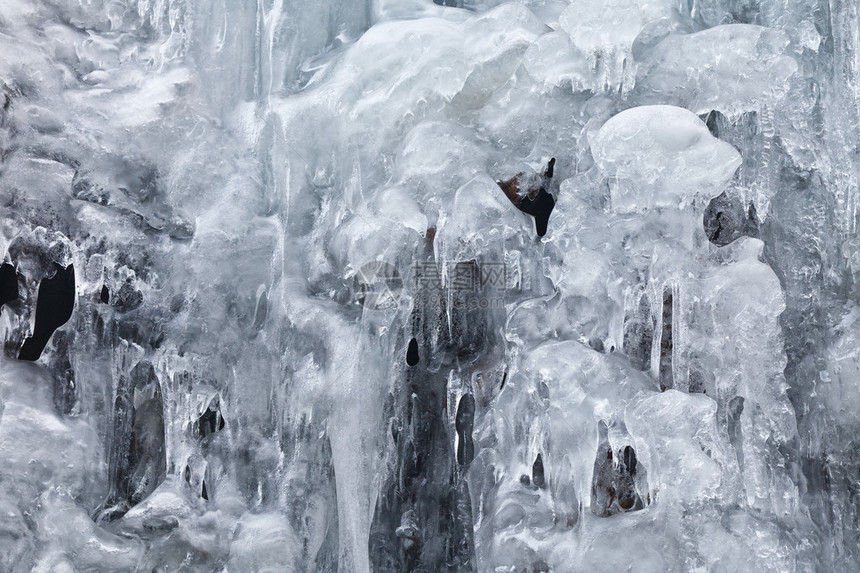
[(310, 332), (661, 156)]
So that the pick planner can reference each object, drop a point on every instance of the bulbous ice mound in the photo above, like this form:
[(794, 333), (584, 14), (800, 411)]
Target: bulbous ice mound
[(661, 156)]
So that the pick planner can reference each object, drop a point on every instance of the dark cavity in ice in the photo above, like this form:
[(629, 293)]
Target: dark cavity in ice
[(537, 201), (210, 422), (725, 220), (666, 343), (8, 284), (54, 306), (127, 298), (537, 471), (412, 353), (464, 424), (613, 488)]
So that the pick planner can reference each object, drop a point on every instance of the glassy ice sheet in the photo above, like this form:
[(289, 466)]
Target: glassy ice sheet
[(424, 286)]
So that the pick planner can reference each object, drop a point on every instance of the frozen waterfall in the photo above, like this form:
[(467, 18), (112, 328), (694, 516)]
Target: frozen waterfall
[(563, 286)]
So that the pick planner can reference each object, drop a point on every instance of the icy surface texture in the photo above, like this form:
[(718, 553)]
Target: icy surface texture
[(429, 285)]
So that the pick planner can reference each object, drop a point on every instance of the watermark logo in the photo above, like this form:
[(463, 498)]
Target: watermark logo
[(378, 285), (467, 276), (465, 284)]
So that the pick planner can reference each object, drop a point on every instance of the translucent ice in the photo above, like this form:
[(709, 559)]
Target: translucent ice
[(732, 68), (429, 285), (661, 156), (605, 31)]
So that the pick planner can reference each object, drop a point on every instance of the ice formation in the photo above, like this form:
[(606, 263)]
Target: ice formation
[(429, 285)]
